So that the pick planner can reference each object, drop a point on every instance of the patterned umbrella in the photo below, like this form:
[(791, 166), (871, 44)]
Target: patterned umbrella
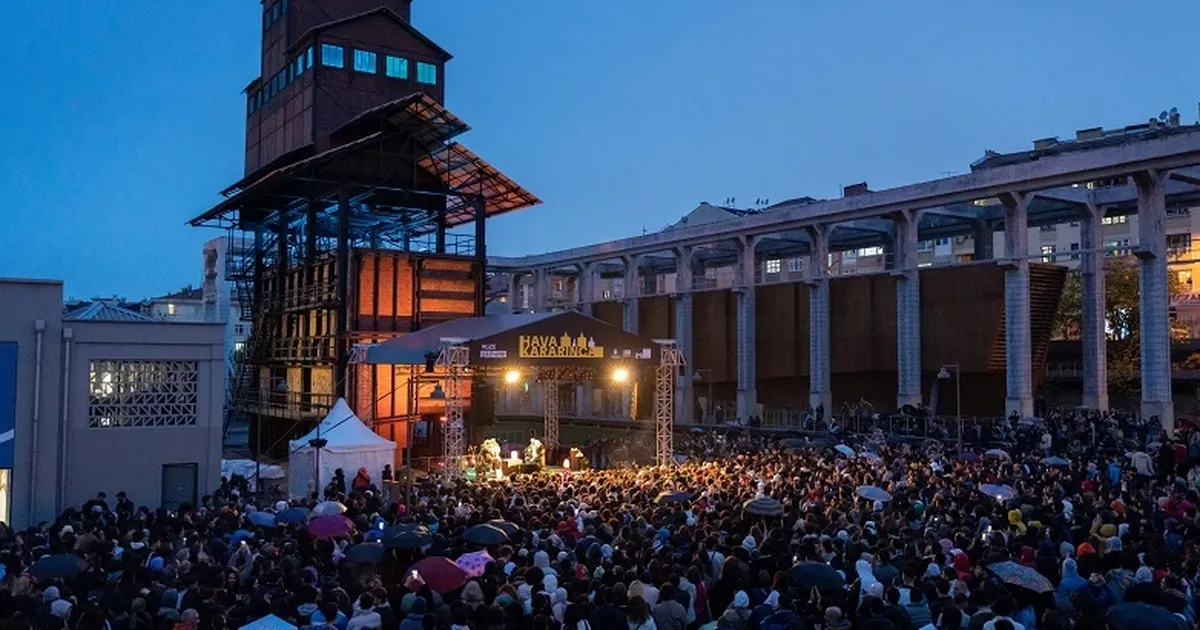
[(329, 508), (1022, 576), (473, 563), (999, 492), (1143, 617), (485, 535), (873, 493), (763, 506), (330, 526), (292, 515), (440, 574)]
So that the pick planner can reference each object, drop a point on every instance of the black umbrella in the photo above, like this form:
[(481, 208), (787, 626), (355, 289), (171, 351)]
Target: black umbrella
[(508, 527), (763, 506), (485, 535), (365, 553), (818, 575), (678, 496), (60, 566), (792, 443), (406, 537), (1143, 617)]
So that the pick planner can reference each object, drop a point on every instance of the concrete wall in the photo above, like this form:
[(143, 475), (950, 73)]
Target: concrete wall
[(23, 303), (92, 452)]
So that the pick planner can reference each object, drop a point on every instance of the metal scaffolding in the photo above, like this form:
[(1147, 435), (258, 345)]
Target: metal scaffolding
[(454, 358), (550, 412), (670, 360)]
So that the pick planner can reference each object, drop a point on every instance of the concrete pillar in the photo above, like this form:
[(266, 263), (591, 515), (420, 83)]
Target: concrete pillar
[(1018, 341), (983, 240), (908, 309), (685, 403), (820, 393), (1153, 300), (514, 292), (747, 352), (585, 288), (537, 290), (1095, 349), (629, 322)]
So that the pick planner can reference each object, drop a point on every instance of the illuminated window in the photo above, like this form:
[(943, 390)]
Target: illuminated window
[(1048, 253), (1115, 220), (170, 309), (365, 61), (1185, 277), (142, 393), (1178, 244), (397, 67), (333, 56), (774, 266), (426, 73), (871, 251)]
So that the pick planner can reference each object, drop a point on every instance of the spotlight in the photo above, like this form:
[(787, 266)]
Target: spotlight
[(620, 375), (430, 361), (438, 393), (512, 377)]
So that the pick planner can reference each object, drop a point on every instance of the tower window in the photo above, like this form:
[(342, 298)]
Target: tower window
[(426, 73), (397, 67), (365, 61), (333, 56), (308, 57)]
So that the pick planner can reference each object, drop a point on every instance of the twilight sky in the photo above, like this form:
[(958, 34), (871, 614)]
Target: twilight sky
[(121, 119)]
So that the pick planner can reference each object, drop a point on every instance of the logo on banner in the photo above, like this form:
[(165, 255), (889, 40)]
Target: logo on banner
[(563, 347), (489, 351)]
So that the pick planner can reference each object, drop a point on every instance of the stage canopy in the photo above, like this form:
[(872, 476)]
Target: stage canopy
[(565, 338)]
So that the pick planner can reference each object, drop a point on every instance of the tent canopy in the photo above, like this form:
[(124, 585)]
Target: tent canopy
[(557, 338), (343, 431)]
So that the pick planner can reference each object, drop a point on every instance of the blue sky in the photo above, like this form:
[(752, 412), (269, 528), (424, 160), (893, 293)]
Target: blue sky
[(121, 119)]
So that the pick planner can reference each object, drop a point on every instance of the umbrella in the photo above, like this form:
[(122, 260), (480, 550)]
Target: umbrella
[(473, 563), (242, 534), (844, 450), (818, 575), (996, 452), (329, 508), (1055, 461), (1000, 492), (873, 493), (792, 443), (365, 553), (678, 496), (508, 527), (292, 515), (763, 506), (330, 526), (440, 574), (406, 537), (485, 535), (1143, 617), (1021, 575), (262, 519), (871, 457), (270, 622), (60, 566)]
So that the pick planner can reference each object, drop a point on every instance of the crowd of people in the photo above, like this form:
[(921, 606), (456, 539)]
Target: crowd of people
[(753, 531)]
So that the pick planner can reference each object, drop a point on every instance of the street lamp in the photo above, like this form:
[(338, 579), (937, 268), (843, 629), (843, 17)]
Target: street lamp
[(943, 375), (697, 376)]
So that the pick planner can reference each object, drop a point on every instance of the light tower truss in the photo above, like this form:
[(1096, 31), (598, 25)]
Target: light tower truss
[(454, 358), (550, 409), (670, 360)]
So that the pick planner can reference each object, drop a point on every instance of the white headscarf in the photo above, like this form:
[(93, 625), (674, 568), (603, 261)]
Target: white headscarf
[(866, 577)]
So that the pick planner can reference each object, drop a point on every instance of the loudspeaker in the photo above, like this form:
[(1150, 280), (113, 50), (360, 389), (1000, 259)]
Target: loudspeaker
[(483, 405)]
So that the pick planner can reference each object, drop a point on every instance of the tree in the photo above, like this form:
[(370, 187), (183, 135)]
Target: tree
[(1121, 313)]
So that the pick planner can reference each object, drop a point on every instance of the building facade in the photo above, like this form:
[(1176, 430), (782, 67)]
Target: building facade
[(103, 405)]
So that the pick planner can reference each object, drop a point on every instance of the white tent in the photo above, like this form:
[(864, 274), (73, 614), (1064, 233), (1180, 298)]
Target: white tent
[(350, 445)]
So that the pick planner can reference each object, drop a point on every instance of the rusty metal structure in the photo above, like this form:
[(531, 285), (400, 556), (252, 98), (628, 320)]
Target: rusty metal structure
[(360, 216)]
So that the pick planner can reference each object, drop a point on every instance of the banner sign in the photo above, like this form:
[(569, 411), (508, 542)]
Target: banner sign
[(561, 347)]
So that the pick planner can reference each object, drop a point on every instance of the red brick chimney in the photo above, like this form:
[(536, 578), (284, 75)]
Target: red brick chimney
[(854, 190)]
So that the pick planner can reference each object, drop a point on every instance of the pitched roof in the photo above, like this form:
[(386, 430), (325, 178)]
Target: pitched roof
[(106, 312), (385, 11), (186, 293)]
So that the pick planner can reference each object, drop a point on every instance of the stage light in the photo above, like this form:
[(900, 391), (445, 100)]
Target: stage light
[(567, 463), (512, 377), (514, 455), (620, 375)]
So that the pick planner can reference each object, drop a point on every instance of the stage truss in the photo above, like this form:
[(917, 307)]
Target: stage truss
[(454, 358), (550, 411), (670, 360)]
